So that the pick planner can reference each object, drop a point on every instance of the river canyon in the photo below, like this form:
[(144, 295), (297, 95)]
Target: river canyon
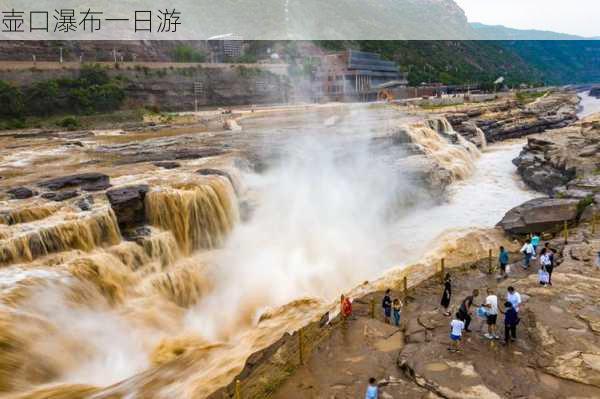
[(152, 262)]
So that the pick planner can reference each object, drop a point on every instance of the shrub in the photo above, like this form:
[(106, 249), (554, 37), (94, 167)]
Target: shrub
[(11, 101), (70, 123), (42, 98), (186, 53)]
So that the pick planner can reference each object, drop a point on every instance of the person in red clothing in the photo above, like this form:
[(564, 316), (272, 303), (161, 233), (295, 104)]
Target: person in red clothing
[(346, 306)]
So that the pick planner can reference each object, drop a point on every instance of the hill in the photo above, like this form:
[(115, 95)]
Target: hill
[(500, 32)]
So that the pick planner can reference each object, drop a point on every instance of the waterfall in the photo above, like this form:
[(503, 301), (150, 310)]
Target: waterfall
[(85, 233), (447, 148), (183, 286), (198, 215), (28, 214)]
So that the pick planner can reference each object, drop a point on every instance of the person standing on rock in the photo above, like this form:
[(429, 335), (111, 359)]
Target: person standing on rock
[(346, 306), (545, 264), (528, 251), (503, 260), (491, 305), (511, 320), (552, 255), (514, 298), (464, 311), (535, 242), (456, 328), (386, 304), (372, 389), (447, 294), (396, 306)]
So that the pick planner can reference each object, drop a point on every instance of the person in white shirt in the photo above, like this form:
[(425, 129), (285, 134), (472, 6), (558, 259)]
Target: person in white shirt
[(491, 305), (545, 264), (457, 326), (513, 297), (528, 251)]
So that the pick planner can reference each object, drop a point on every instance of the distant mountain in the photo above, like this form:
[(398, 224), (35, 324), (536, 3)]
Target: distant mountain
[(500, 32)]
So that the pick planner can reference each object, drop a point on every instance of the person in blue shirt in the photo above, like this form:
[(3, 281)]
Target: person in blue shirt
[(503, 260), (535, 242), (511, 319), (372, 389)]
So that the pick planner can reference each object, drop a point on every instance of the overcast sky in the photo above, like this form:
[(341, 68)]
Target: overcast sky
[(579, 17)]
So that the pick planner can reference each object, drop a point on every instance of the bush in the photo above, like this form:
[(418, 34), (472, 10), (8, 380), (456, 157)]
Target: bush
[(185, 53), (42, 98), (70, 123), (11, 101)]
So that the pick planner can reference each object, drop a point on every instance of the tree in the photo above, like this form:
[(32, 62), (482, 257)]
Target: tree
[(11, 101)]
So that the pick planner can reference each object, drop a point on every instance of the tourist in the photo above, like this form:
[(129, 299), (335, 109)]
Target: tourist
[(545, 264), (346, 306), (514, 298), (511, 319), (464, 311), (503, 260), (372, 389), (491, 305), (386, 304), (552, 255), (396, 305), (535, 242), (447, 294), (482, 317), (456, 328), (528, 251)]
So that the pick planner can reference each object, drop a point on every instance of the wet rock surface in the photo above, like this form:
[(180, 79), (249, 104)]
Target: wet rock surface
[(128, 204), (86, 181), (20, 193)]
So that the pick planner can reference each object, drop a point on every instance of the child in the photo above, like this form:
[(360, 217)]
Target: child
[(386, 304), (457, 326), (372, 389), (396, 310)]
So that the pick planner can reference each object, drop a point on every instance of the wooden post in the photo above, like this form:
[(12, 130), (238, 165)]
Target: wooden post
[(301, 346), (238, 394), (566, 232), (593, 222), (490, 261), (372, 311), (405, 285), (442, 269)]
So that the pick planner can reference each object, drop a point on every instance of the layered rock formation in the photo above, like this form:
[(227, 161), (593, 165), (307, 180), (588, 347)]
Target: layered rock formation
[(507, 119)]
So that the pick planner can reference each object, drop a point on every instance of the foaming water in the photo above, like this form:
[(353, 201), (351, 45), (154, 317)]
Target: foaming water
[(589, 105), (479, 201)]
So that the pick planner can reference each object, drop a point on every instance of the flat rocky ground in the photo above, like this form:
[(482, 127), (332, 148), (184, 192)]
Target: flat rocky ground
[(557, 353)]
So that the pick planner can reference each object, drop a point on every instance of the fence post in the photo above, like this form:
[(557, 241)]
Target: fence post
[(490, 261), (442, 269), (405, 285), (238, 394), (566, 232), (372, 310), (301, 346)]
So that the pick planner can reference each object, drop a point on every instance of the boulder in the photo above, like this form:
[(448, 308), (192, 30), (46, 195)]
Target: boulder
[(167, 164), (60, 196), (128, 204), (20, 193), (540, 215), (87, 182), (595, 92)]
